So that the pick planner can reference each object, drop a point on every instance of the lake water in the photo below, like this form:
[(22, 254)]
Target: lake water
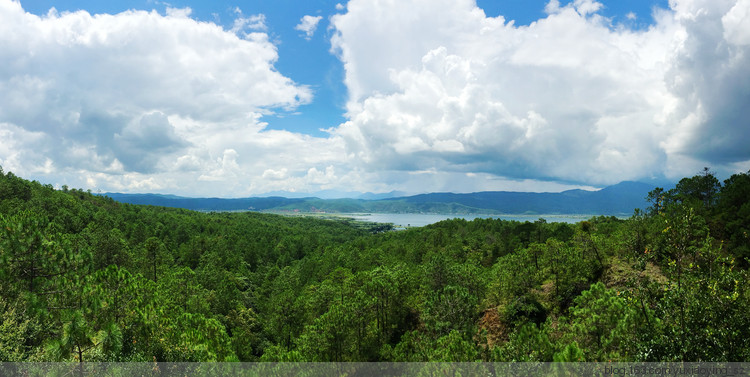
[(422, 219)]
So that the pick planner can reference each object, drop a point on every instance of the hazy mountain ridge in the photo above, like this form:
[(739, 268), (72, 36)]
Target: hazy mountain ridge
[(206, 204), (621, 198)]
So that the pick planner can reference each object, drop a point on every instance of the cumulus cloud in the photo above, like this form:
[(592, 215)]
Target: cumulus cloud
[(566, 98), (308, 24), (123, 100), (247, 25), (276, 175), (735, 23), (441, 97), (227, 168), (179, 12), (142, 143), (710, 77), (321, 178)]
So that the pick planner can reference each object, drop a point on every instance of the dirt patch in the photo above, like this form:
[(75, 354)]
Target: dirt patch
[(496, 330)]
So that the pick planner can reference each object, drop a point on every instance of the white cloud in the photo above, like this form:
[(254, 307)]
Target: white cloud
[(565, 98), (248, 25), (123, 100), (226, 168), (710, 77), (142, 142), (585, 7), (736, 23), (553, 6), (143, 101), (308, 24), (179, 12), (322, 178), (275, 175), (18, 152)]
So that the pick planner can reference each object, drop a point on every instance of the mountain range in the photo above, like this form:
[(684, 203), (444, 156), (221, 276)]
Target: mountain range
[(619, 199)]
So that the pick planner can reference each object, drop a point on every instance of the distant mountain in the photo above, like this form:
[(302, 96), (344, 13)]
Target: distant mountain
[(384, 195), (620, 199), (205, 204), (287, 194), (323, 194), (335, 194)]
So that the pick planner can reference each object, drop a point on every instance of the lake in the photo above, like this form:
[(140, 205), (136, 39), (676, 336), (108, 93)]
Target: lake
[(404, 220)]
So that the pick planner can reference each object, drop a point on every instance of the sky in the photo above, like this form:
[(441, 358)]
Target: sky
[(240, 98)]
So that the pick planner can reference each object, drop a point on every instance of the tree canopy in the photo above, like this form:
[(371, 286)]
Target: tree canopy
[(85, 278)]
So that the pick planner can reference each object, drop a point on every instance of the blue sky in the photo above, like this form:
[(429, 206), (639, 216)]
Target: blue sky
[(226, 98), (310, 62)]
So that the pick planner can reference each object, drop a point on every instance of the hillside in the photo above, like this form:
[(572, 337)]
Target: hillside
[(205, 204), (86, 278), (620, 199)]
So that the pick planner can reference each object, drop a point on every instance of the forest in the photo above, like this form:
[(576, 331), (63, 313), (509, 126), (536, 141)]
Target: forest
[(86, 278)]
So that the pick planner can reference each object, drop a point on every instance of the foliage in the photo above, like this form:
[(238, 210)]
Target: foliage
[(85, 278)]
